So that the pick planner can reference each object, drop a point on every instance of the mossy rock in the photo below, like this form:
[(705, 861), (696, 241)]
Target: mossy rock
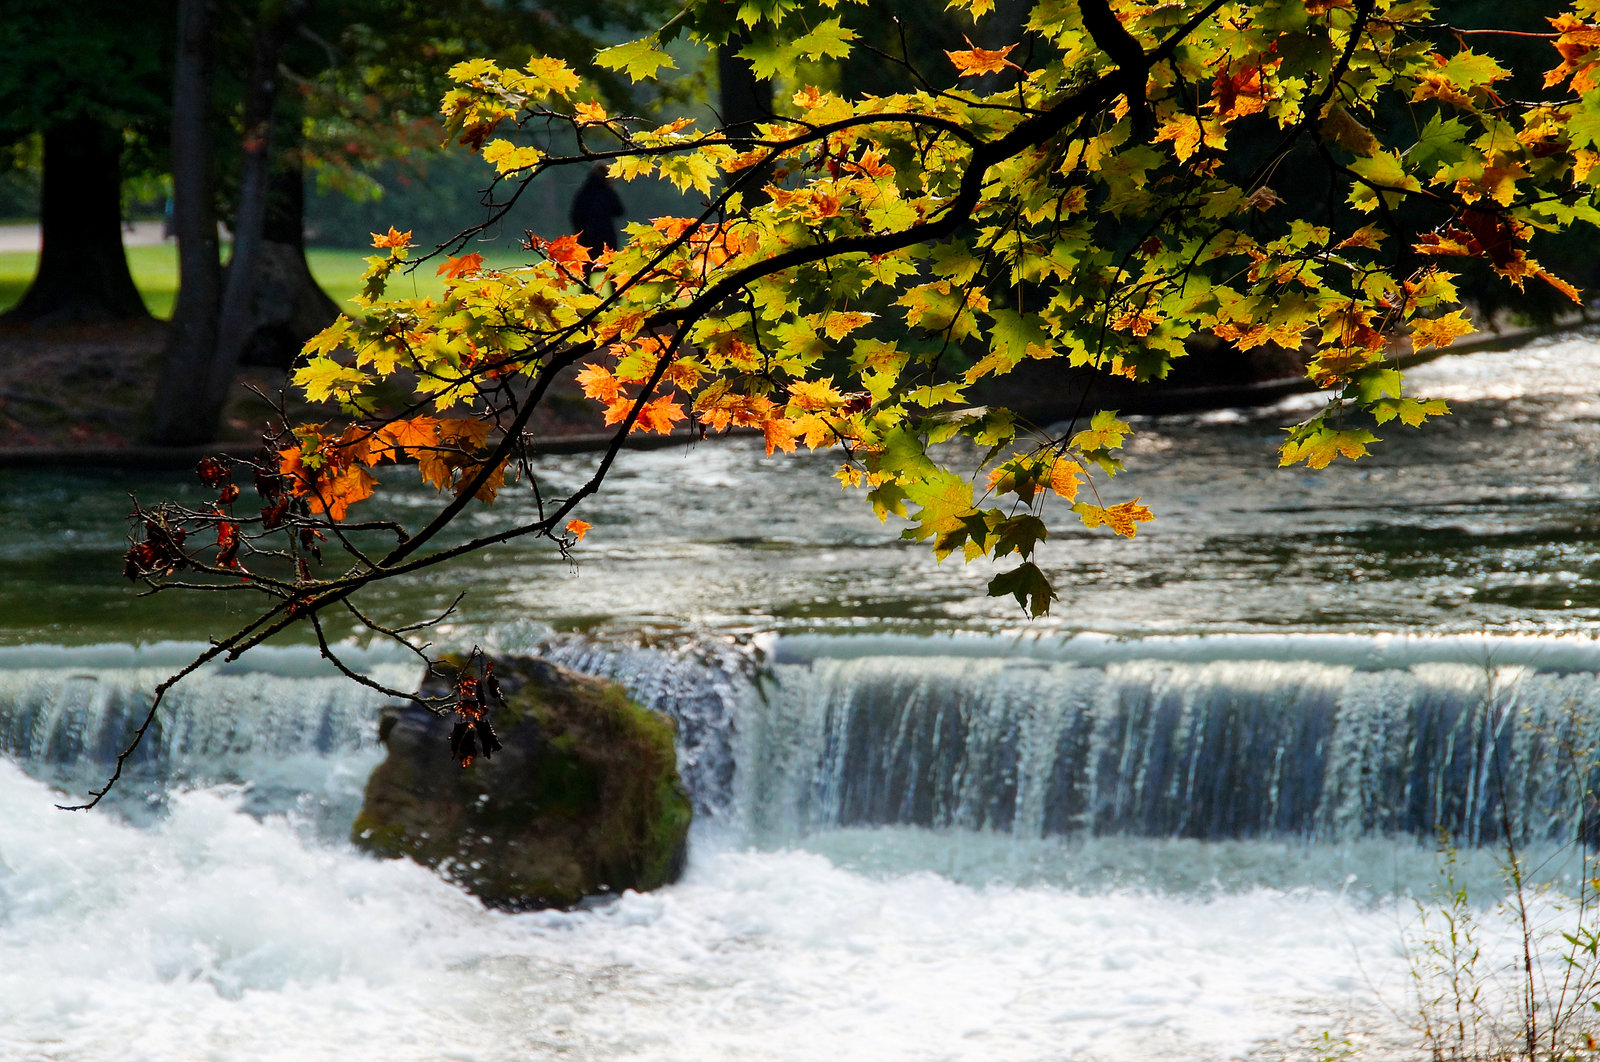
[(583, 799)]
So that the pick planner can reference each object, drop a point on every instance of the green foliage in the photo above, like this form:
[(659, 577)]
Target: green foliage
[(1099, 186)]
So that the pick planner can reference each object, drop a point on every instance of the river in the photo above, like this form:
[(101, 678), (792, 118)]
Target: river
[(1190, 813)]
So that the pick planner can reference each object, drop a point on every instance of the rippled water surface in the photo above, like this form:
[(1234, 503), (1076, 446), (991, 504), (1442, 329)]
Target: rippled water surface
[(1487, 519), (217, 911)]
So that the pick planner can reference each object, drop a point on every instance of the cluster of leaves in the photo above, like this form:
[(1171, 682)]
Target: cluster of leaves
[(477, 698), (1098, 194), (863, 265)]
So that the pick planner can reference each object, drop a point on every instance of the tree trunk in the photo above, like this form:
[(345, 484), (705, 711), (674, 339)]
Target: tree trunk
[(180, 416), (208, 351), (287, 307), (744, 100), (83, 271), (235, 324)]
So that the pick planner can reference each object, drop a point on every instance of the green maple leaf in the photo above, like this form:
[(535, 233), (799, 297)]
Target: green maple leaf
[(1019, 535), (830, 40), (640, 59), (1028, 585)]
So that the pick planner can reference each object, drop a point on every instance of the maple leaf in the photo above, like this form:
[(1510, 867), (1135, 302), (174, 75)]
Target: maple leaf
[(567, 251), (1065, 475), (335, 496), (591, 112), (1123, 518), (578, 528), (1439, 331), (406, 437), (454, 268), (839, 325), (1139, 322), (1560, 285), (598, 383), (640, 59), (553, 75), (490, 487), (982, 61), (945, 498), (324, 378), (1318, 448), (465, 433), (617, 410), (1184, 132), (658, 415), (1028, 585), (393, 238), (329, 339), (1105, 432), (779, 435)]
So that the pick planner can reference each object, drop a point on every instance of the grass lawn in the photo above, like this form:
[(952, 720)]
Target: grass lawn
[(155, 271)]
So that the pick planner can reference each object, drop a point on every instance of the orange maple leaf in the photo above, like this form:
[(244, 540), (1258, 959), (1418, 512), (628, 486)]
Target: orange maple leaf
[(982, 61), (335, 496), (779, 435), (407, 437), (454, 268), (467, 433), (617, 411), (567, 251), (1560, 285), (658, 415), (598, 383), (393, 238), (578, 528)]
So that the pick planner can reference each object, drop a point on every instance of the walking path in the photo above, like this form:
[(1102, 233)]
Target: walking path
[(25, 237)]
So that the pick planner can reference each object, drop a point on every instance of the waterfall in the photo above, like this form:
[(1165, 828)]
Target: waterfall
[(69, 716), (1206, 739), (1231, 748), (704, 688)]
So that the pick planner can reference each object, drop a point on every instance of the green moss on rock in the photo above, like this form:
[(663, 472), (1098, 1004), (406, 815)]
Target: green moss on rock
[(583, 799)]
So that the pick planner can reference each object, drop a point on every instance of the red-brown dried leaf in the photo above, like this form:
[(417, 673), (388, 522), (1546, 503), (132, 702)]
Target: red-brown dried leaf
[(213, 471)]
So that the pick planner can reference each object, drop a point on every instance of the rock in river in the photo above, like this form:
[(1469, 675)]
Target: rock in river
[(584, 798)]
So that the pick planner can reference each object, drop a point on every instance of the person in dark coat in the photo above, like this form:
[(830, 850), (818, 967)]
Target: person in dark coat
[(593, 209)]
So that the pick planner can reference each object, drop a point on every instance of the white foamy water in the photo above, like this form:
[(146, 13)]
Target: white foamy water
[(214, 935)]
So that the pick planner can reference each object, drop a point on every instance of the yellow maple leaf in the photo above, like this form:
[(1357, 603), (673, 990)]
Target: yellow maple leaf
[(1185, 133), (1124, 517), (1440, 331), (1065, 476), (1368, 236), (1105, 432), (552, 74), (982, 60), (839, 325), (1559, 284), (1323, 445)]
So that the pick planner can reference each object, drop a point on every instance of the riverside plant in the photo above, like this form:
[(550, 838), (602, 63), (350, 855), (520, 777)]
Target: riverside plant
[(1544, 1004)]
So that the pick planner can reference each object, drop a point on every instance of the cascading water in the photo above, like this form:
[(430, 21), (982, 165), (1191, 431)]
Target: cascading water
[(910, 847), (1161, 748)]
